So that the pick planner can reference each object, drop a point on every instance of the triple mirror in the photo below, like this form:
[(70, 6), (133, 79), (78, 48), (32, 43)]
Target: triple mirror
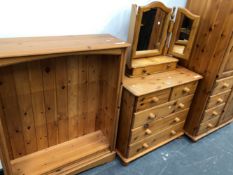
[(151, 31)]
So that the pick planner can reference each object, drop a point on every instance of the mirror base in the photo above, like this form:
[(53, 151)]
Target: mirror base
[(151, 65)]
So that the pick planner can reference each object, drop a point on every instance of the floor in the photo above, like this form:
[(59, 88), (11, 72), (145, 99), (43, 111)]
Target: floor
[(212, 155)]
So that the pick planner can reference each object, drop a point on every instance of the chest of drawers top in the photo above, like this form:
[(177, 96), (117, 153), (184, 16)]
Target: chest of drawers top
[(139, 86)]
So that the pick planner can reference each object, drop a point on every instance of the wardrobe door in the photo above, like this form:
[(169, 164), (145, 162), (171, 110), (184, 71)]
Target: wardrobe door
[(227, 66)]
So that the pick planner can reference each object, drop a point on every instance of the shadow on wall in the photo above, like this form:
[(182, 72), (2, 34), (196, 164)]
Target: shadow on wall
[(118, 24)]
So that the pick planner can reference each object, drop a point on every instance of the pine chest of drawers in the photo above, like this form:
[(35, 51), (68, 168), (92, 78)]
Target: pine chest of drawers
[(153, 111), (215, 111)]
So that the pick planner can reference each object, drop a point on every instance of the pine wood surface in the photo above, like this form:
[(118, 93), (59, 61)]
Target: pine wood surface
[(207, 58), (60, 155), (156, 82), (55, 91), (144, 62), (28, 46)]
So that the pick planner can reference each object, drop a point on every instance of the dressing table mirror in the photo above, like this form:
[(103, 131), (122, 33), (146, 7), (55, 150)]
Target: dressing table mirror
[(150, 30), (148, 34), (157, 42), (183, 34)]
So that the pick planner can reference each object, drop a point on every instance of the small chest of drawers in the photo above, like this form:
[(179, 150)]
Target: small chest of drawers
[(212, 115), (153, 111)]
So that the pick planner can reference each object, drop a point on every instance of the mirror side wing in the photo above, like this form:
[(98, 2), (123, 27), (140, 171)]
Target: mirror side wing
[(195, 23)]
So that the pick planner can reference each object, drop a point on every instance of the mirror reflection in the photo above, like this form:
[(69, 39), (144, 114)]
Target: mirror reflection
[(183, 34), (151, 29)]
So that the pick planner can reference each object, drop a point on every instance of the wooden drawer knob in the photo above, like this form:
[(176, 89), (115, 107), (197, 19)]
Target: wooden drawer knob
[(151, 116), (226, 85), (173, 132), (176, 119), (148, 132), (186, 90), (145, 145), (220, 100), (155, 99), (181, 105), (210, 125), (215, 113)]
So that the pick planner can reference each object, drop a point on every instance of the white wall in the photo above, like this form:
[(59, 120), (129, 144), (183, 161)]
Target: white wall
[(20, 18)]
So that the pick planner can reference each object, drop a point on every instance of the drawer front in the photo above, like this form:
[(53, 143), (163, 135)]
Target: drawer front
[(213, 112), (183, 90), (218, 99), (152, 128), (155, 140), (228, 110), (208, 125), (153, 69), (158, 112), (153, 99), (222, 85)]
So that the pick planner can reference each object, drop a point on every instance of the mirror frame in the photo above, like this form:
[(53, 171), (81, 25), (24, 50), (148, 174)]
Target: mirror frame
[(193, 32), (154, 52)]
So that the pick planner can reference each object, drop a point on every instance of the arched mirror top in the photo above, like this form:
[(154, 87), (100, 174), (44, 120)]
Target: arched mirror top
[(150, 30)]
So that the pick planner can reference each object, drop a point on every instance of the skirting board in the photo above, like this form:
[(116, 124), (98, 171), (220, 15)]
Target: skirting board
[(126, 161), (196, 138)]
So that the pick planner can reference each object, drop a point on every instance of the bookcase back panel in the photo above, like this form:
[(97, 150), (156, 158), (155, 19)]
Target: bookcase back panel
[(47, 102)]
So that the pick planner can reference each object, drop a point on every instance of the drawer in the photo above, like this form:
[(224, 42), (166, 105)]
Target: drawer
[(183, 90), (222, 85), (151, 67), (213, 112), (208, 125), (153, 99), (158, 112), (152, 128), (218, 99), (155, 140)]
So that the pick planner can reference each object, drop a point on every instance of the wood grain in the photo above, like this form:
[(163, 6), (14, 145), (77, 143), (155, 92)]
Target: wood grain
[(211, 44), (156, 82), (60, 155), (29, 46), (57, 94), (38, 105), (13, 119)]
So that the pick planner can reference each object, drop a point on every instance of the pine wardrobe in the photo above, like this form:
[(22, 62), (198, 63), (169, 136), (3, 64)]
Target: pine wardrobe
[(157, 92), (56, 116), (212, 57)]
